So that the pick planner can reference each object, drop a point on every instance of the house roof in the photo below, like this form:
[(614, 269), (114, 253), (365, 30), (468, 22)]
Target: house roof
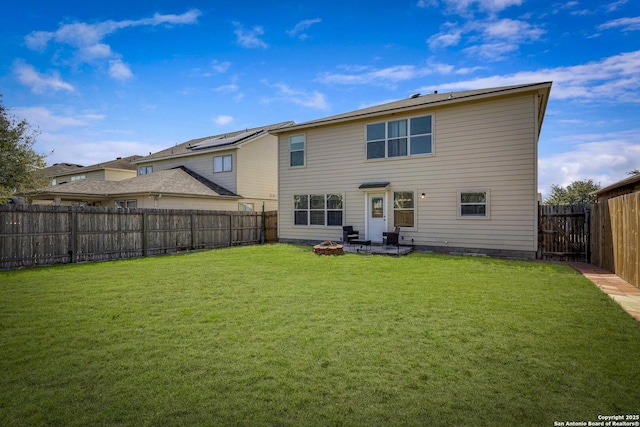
[(627, 181), (117, 163), (425, 101), (178, 181), (58, 169), (214, 143)]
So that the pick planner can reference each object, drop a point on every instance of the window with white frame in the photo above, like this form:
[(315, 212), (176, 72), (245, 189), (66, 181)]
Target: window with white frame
[(126, 204), (222, 163), (400, 138), (473, 204), (403, 209), (145, 170), (245, 207), (318, 209), (78, 177), (296, 150)]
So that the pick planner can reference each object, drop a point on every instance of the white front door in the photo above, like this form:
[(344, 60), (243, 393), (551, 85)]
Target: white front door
[(376, 216)]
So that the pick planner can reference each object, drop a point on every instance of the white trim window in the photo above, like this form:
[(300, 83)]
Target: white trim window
[(318, 209), (126, 204), (473, 204), (78, 177), (400, 138), (222, 163), (145, 170), (245, 207), (297, 145), (404, 209)]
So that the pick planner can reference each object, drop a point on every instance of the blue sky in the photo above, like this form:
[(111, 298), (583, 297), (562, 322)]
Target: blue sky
[(107, 79)]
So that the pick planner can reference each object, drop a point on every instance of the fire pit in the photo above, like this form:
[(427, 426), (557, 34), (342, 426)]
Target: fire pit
[(328, 248)]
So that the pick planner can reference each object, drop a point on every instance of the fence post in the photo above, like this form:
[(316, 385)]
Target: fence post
[(193, 231), (74, 234), (230, 229), (145, 235)]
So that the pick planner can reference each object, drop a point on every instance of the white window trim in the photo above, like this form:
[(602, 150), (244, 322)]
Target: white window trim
[(293, 210), (386, 139), (416, 198), (487, 204), (223, 169), (125, 203), (147, 170), (304, 151)]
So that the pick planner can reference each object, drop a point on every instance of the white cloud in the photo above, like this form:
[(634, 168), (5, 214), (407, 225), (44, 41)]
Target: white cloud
[(46, 120), (249, 38), (468, 7), (605, 158), (627, 24), (86, 39), (86, 150), (611, 7), (28, 76), (301, 26), (230, 88), (615, 77), (119, 70), (383, 76), (220, 67), (222, 120), (450, 37), (313, 99), (495, 37)]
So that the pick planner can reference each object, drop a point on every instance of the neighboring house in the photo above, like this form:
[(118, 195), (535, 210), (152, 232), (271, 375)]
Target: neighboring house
[(456, 171), (60, 169), (172, 188), (625, 186), (243, 163), (114, 170), (235, 171)]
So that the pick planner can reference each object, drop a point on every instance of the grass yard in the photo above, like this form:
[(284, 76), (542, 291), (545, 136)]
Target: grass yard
[(274, 335)]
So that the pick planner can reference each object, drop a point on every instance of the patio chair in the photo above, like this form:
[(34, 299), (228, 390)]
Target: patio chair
[(391, 238), (349, 234)]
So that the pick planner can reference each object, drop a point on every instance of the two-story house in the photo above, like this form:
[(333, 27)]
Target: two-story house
[(235, 171), (457, 172)]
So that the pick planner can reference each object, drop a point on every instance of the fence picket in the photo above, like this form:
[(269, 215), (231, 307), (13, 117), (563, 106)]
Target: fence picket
[(43, 235)]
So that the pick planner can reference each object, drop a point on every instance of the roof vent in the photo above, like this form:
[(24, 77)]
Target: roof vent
[(415, 95), (435, 92)]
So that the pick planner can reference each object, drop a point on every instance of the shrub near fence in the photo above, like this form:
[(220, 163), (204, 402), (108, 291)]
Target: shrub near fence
[(33, 235)]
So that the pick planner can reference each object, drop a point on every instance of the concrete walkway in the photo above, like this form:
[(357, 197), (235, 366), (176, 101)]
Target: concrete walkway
[(621, 291)]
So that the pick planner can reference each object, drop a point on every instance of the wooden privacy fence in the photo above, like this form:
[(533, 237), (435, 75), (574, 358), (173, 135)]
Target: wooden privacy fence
[(33, 235), (615, 230), (564, 232)]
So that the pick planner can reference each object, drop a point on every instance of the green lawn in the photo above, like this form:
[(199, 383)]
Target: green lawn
[(274, 335)]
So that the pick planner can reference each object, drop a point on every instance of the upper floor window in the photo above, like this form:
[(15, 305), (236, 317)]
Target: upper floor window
[(296, 150), (222, 163), (145, 170), (400, 138), (78, 177)]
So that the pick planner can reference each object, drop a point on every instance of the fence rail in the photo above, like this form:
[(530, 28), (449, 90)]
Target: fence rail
[(33, 235)]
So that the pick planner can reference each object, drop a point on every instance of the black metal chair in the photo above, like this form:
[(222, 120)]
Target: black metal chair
[(391, 238), (349, 234)]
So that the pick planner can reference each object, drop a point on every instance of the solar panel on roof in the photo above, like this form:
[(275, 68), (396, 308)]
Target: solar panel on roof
[(224, 140)]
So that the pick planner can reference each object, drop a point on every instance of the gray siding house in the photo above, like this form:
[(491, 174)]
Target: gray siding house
[(455, 171)]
